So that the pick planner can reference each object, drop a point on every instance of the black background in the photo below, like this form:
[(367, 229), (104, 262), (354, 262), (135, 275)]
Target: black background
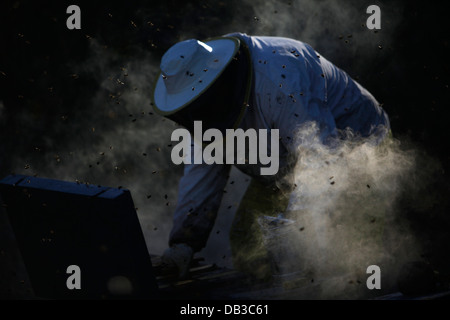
[(38, 52)]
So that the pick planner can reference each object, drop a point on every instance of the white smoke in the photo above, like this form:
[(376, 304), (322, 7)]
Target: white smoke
[(347, 208)]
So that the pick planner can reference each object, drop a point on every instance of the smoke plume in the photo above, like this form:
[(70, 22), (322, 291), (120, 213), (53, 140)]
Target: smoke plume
[(348, 209)]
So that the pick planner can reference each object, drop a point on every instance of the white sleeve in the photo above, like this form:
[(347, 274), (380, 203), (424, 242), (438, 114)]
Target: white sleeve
[(200, 193)]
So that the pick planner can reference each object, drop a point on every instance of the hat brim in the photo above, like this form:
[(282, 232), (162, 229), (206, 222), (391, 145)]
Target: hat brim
[(223, 51)]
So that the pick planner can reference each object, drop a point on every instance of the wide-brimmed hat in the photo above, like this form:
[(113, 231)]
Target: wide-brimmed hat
[(188, 68)]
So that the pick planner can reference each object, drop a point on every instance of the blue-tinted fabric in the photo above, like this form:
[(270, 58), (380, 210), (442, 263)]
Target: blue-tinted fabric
[(292, 85)]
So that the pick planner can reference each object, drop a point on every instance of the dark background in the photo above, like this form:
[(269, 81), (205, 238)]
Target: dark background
[(57, 115)]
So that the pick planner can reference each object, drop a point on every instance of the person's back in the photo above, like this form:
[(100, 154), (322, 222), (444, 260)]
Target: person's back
[(291, 73)]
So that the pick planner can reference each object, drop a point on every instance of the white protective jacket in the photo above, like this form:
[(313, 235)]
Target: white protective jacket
[(292, 84)]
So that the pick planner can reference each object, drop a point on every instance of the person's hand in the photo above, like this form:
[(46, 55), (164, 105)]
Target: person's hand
[(179, 256)]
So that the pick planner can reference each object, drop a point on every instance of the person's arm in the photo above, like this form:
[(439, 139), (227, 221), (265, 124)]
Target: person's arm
[(200, 193)]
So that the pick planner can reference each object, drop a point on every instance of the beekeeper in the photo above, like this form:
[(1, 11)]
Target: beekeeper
[(241, 81)]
